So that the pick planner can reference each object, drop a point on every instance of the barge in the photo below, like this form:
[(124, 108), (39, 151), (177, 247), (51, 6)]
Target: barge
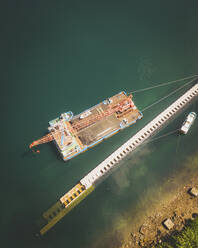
[(76, 134)]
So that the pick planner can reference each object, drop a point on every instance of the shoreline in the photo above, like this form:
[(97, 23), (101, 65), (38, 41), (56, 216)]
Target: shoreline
[(177, 204)]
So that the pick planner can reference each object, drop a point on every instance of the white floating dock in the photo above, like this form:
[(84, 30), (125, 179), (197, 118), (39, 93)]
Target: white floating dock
[(139, 138)]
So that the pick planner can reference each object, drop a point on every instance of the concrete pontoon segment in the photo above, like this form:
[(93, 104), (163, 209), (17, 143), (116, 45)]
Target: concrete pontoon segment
[(57, 211)]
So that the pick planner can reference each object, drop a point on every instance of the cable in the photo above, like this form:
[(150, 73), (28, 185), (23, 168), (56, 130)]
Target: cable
[(167, 95), (162, 136), (163, 84)]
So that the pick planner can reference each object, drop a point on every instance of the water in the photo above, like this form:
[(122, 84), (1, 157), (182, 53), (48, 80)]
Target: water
[(69, 56)]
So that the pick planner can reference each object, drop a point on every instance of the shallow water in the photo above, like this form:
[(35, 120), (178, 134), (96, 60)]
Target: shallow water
[(69, 56)]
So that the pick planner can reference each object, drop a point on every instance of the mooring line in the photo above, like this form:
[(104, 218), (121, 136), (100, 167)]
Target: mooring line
[(163, 98), (162, 136), (163, 84)]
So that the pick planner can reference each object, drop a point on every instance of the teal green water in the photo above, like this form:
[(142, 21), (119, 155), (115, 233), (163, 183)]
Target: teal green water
[(68, 55)]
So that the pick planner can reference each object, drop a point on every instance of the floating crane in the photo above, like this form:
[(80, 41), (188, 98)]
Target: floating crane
[(77, 126)]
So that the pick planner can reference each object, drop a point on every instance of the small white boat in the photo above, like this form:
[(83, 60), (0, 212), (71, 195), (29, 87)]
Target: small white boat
[(188, 122)]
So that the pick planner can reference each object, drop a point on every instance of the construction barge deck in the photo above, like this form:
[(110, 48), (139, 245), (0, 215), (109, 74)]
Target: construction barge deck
[(75, 134), (87, 184)]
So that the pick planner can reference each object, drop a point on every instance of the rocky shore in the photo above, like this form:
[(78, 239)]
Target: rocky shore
[(180, 207)]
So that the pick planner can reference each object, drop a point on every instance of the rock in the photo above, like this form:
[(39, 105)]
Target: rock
[(193, 191), (194, 215), (158, 232), (143, 229), (174, 214), (168, 224)]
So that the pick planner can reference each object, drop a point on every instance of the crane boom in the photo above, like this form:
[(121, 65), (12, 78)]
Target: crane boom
[(45, 139)]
